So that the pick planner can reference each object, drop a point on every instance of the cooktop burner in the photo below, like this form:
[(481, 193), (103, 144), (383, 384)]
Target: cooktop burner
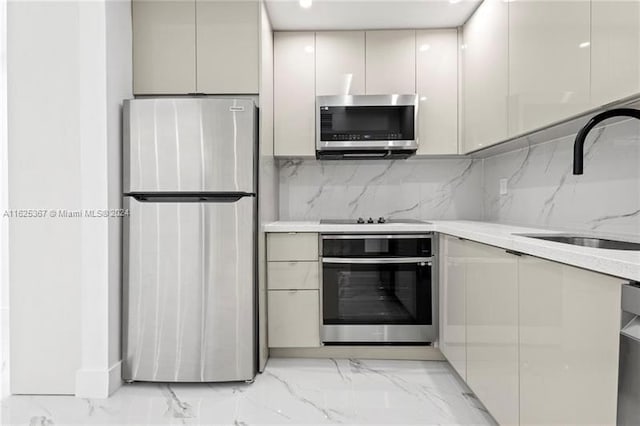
[(370, 221)]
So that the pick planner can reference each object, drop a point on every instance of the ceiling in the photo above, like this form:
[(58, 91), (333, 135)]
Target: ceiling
[(369, 14)]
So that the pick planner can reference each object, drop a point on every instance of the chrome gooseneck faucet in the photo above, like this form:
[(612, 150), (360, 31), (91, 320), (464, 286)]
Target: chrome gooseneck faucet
[(578, 146)]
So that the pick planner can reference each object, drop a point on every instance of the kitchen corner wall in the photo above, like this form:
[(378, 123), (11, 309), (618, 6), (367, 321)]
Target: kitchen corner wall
[(542, 191), (4, 226), (414, 188)]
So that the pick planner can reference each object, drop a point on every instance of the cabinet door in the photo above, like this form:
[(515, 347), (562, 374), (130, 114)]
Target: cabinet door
[(549, 62), (390, 62), (294, 94), (292, 246), (437, 87), (615, 50), (452, 303), (293, 275), (569, 334), (294, 318), (339, 63), (164, 47), (492, 329), (227, 46), (485, 75)]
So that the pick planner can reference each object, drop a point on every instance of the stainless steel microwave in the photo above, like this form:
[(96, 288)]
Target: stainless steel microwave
[(366, 126)]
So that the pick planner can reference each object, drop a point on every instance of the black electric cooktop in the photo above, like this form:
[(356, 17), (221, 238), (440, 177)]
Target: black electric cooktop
[(371, 221)]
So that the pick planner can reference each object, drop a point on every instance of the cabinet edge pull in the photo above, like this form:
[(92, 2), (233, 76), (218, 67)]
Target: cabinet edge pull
[(513, 252)]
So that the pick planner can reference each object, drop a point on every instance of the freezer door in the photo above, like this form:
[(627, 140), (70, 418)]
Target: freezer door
[(189, 145), (189, 291)]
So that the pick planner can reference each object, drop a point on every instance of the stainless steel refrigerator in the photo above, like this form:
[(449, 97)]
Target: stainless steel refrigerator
[(189, 182)]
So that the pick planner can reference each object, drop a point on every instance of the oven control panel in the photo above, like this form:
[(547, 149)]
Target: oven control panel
[(375, 245)]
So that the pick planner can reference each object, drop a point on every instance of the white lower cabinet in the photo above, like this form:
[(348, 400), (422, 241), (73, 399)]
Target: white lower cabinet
[(294, 318), (492, 329), (569, 334), (453, 329), (293, 275), (292, 246), (293, 296), (536, 340)]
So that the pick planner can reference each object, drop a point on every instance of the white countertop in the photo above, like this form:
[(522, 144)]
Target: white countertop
[(618, 263), (316, 226)]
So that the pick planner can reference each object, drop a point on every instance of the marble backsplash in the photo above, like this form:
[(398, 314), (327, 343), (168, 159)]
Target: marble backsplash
[(413, 188), (542, 191)]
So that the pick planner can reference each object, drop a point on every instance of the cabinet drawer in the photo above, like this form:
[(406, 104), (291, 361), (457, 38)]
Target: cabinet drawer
[(296, 246), (293, 275), (294, 318)]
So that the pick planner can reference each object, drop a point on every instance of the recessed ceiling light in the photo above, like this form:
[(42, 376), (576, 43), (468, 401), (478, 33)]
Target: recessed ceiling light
[(306, 3), (585, 44), (308, 49), (425, 47)]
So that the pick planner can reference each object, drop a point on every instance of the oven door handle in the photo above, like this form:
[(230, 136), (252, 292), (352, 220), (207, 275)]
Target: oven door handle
[(375, 236), (378, 260)]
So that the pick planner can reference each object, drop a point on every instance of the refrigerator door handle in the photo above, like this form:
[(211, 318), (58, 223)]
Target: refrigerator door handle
[(188, 197)]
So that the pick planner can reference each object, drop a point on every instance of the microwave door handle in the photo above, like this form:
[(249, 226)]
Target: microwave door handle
[(366, 154), (377, 261)]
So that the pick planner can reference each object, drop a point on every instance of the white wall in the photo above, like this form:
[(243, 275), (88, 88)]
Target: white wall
[(44, 172), (4, 229), (107, 27), (69, 65)]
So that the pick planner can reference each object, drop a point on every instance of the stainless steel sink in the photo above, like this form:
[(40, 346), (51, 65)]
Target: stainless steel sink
[(585, 241)]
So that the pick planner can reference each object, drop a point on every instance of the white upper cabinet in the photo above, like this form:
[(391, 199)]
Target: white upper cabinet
[(164, 47), (340, 63), (534, 63), (390, 62), (325, 63), (227, 46), (195, 46), (549, 62), (437, 88), (294, 93), (615, 50), (485, 76)]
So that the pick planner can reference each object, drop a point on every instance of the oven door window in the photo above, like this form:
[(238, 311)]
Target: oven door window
[(396, 293)]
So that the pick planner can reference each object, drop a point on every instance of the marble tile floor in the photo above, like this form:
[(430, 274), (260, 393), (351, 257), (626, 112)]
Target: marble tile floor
[(290, 391)]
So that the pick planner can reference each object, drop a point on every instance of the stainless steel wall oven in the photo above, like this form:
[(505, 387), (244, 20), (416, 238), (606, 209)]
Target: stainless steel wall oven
[(378, 289)]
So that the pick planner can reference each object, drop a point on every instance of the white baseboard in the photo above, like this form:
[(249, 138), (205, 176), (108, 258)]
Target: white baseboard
[(98, 383)]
